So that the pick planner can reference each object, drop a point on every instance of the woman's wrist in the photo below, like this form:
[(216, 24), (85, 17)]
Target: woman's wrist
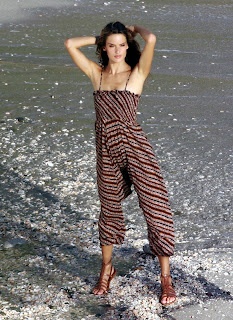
[(144, 33), (132, 30), (136, 28), (97, 39)]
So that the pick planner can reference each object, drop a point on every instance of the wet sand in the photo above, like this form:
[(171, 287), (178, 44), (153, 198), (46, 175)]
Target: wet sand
[(49, 249)]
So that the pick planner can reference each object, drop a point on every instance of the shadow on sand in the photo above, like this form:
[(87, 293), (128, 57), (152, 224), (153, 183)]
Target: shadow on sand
[(64, 262)]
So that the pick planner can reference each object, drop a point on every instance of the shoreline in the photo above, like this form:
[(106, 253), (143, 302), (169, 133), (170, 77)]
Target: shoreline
[(25, 10)]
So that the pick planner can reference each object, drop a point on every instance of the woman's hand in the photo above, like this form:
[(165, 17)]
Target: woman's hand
[(97, 39), (132, 30)]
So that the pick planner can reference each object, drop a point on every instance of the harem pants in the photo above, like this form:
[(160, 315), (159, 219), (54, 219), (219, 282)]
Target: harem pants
[(125, 157)]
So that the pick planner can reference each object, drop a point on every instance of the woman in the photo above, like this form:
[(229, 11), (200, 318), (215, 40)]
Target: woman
[(124, 155)]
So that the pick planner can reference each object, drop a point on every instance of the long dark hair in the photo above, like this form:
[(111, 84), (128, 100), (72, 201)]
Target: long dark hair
[(133, 52)]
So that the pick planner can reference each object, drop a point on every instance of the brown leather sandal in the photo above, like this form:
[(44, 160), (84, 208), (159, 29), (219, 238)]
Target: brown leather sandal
[(103, 284), (167, 289)]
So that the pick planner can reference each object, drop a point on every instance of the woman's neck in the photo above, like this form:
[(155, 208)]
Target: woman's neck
[(115, 68)]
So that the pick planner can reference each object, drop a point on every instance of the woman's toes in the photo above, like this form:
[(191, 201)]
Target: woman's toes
[(167, 300), (164, 300), (170, 299), (100, 292)]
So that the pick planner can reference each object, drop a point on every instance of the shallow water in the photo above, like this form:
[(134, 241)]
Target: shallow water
[(47, 118)]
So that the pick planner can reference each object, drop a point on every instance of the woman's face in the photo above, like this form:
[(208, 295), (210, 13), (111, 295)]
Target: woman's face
[(116, 47)]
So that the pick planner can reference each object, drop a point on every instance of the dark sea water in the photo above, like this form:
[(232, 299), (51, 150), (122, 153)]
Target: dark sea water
[(47, 113)]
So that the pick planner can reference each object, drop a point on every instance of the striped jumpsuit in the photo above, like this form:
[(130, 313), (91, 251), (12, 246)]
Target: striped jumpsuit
[(125, 157)]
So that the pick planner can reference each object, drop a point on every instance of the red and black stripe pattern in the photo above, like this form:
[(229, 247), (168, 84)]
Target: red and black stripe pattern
[(125, 157)]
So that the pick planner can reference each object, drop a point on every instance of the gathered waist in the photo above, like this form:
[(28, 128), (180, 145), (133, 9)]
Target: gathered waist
[(127, 123)]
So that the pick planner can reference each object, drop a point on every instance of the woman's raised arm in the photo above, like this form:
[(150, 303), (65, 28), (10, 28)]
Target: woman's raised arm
[(146, 58), (86, 65)]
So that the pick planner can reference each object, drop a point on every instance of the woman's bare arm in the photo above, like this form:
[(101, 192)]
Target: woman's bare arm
[(86, 65), (144, 65)]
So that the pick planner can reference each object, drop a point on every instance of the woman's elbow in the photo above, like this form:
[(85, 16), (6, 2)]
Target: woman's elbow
[(67, 43), (151, 38)]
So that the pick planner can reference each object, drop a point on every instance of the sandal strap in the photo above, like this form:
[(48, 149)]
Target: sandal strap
[(103, 284), (105, 265), (169, 291), (167, 288), (165, 276), (109, 275)]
